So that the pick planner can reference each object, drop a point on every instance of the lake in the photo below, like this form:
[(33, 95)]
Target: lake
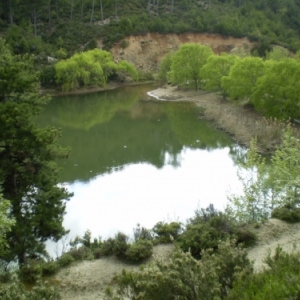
[(138, 161)]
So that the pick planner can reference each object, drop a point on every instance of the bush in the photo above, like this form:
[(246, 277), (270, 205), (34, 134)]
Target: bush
[(166, 232), (246, 237), (139, 251), (107, 247), (286, 213), (205, 230), (183, 277), (142, 233), (65, 260), (80, 253), (49, 268), (31, 272), (280, 281), (16, 291), (120, 245)]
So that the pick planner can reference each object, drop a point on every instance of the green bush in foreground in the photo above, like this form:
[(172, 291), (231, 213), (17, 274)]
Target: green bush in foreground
[(287, 213), (280, 281), (139, 251), (184, 277), (16, 291)]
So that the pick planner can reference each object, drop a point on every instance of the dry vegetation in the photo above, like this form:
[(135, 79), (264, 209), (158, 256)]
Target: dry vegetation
[(242, 123)]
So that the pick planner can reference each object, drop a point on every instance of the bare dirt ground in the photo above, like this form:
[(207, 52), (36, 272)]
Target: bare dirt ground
[(87, 280), (146, 51), (242, 123)]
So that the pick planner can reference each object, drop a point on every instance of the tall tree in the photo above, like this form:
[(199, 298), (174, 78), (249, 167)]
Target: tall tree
[(27, 154), (216, 67), (187, 63), (242, 78)]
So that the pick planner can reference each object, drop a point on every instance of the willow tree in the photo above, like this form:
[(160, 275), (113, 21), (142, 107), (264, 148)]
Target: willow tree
[(242, 77), (27, 153), (277, 92), (215, 68), (90, 68), (187, 63)]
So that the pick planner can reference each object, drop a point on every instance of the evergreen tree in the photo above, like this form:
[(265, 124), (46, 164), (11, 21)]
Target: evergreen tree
[(27, 154)]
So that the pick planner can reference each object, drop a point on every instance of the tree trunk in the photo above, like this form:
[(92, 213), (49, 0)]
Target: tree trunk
[(10, 12), (72, 2), (92, 15), (82, 1), (172, 6), (56, 8), (49, 14), (101, 9), (34, 21), (116, 8)]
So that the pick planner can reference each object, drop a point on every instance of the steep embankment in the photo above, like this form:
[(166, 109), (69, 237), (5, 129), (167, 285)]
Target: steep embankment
[(146, 51)]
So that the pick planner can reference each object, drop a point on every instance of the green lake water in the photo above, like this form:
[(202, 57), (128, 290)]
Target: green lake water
[(137, 161)]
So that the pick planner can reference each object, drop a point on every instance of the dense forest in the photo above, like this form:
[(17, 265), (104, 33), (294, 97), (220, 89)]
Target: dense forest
[(209, 262), (46, 26)]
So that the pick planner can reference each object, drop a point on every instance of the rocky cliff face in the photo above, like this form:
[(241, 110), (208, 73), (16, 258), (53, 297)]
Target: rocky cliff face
[(146, 51)]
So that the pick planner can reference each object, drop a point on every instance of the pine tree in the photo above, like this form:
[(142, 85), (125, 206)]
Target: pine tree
[(27, 153)]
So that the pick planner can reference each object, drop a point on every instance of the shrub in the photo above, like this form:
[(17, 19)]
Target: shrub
[(286, 213), (183, 277), (246, 237), (49, 268), (142, 233), (139, 250), (120, 245), (165, 232), (31, 272), (65, 260), (16, 291), (280, 281), (80, 253), (107, 247)]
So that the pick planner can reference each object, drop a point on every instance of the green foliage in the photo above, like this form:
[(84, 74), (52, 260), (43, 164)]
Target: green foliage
[(183, 277), (165, 67), (279, 281), (215, 68), (205, 231), (90, 68), (276, 93), (166, 232), (242, 77), (65, 260), (5, 223), (142, 233), (49, 268), (16, 291), (139, 251), (29, 175), (268, 186), (287, 213), (278, 53), (107, 247), (186, 65), (31, 272), (121, 245)]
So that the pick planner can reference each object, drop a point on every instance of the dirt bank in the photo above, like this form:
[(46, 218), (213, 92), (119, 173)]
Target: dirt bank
[(88, 280), (146, 51), (242, 123)]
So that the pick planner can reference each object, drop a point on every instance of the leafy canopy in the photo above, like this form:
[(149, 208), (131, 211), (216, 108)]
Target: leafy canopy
[(187, 63), (27, 153)]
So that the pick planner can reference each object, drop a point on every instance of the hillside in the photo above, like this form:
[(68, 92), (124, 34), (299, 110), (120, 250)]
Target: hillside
[(146, 51), (44, 27), (88, 280)]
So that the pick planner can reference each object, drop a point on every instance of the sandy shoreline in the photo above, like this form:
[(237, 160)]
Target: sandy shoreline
[(242, 123)]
